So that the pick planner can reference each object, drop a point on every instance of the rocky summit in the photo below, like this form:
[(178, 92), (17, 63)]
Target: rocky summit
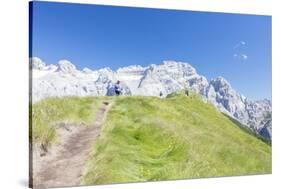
[(65, 79)]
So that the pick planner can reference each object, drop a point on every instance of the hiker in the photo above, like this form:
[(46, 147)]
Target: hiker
[(117, 88), (186, 92), (161, 94)]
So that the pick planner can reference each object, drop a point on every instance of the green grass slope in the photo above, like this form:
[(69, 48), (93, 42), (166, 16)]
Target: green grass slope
[(149, 139)]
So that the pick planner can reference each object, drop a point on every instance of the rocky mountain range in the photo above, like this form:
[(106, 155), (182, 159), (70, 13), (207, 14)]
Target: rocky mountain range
[(170, 76)]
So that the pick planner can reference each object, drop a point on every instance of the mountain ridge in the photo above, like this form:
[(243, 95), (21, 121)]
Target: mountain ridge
[(65, 79)]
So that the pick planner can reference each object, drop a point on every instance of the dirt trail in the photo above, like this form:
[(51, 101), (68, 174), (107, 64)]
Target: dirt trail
[(66, 166)]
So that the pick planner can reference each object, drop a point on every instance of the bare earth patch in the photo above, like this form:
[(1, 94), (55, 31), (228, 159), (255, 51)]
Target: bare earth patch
[(64, 163)]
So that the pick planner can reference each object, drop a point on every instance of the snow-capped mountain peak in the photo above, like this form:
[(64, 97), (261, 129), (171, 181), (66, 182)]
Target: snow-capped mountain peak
[(131, 69), (87, 70), (37, 63), (66, 66)]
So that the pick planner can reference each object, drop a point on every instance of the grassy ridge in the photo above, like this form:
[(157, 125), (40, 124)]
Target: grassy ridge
[(148, 138), (51, 110)]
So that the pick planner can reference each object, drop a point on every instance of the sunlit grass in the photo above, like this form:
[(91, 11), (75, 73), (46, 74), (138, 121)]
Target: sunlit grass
[(149, 138)]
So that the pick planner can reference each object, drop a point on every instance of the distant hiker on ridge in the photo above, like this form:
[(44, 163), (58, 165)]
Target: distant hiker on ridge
[(117, 88), (186, 92)]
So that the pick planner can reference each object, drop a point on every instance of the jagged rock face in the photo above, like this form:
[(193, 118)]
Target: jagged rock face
[(229, 100), (266, 129), (168, 77), (260, 118)]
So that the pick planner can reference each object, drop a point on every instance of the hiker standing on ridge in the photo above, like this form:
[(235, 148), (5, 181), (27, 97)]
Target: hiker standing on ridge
[(186, 91), (161, 94), (117, 88)]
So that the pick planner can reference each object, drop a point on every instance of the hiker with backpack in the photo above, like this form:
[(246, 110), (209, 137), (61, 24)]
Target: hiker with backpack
[(118, 88)]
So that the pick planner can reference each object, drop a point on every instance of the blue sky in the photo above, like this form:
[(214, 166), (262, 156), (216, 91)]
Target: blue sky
[(235, 46)]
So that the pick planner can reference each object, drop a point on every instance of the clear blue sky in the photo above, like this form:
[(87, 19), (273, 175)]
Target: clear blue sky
[(235, 46)]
